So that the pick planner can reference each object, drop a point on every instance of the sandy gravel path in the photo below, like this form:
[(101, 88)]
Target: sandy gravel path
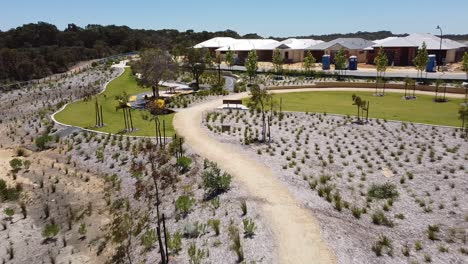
[(298, 237)]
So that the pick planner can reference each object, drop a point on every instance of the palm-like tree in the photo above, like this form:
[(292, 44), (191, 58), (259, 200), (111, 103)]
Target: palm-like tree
[(360, 104), (127, 113)]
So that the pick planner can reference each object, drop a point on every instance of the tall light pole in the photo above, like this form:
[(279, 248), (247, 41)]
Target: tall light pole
[(440, 48)]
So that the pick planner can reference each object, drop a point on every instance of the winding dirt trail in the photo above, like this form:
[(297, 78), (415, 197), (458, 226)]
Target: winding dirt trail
[(298, 237), (297, 232)]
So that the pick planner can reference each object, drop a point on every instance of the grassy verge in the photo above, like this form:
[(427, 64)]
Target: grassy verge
[(390, 107), (82, 113)]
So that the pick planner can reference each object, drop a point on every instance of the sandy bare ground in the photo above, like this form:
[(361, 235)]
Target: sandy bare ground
[(298, 236), (5, 156)]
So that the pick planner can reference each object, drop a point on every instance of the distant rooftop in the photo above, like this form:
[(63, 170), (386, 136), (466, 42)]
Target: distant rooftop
[(247, 44), (215, 42), (349, 43), (416, 40)]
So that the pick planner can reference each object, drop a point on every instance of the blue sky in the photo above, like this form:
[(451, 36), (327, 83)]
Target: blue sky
[(268, 18)]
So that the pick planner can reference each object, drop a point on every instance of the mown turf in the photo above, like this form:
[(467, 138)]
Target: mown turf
[(82, 113), (390, 107)]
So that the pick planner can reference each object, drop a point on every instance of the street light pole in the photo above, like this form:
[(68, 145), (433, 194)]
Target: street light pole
[(440, 48)]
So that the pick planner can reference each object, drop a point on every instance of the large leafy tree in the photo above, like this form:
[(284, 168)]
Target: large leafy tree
[(251, 64), (278, 60), (155, 66), (381, 63), (195, 61), (309, 62)]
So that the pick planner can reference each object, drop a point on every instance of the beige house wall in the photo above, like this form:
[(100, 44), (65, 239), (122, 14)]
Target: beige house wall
[(294, 55), (451, 56), (360, 54)]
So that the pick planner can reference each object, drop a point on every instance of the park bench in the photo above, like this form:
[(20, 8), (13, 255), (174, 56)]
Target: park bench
[(232, 102)]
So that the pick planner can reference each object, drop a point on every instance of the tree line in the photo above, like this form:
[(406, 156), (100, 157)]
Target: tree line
[(40, 49), (36, 50)]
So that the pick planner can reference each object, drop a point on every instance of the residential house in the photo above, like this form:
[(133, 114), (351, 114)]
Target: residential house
[(352, 47), (215, 43), (242, 47), (402, 50), (293, 50)]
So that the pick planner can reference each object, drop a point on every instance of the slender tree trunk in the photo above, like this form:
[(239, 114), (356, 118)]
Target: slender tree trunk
[(165, 237), (158, 215), (463, 124), (102, 117), (155, 89), (156, 130), (130, 116), (384, 83), (159, 133), (269, 130), (97, 113), (164, 131), (358, 113), (125, 118), (128, 246), (367, 111), (181, 153)]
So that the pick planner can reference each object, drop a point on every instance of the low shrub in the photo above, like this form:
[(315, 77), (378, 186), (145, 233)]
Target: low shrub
[(184, 163), (184, 205), (379, 218), (214, 182), (383, 191)]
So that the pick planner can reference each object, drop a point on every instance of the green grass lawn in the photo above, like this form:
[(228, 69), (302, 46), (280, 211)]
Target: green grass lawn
[(82, 113), (390, 107)]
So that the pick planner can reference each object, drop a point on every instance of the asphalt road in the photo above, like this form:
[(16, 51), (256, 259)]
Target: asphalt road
[(391, 74)]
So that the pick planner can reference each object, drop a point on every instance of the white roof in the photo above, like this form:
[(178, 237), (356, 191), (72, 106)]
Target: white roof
[(247, 44), (416, 40), (269, 44), (300, 44), (215, 42)]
